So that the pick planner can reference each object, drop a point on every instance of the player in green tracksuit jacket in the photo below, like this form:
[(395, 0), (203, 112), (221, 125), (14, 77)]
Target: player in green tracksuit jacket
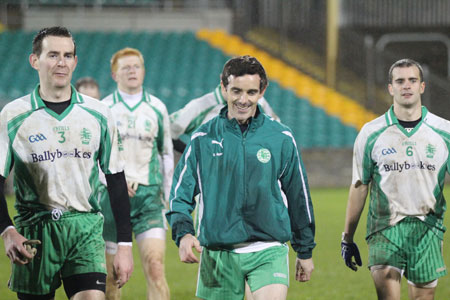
[(253, 195)]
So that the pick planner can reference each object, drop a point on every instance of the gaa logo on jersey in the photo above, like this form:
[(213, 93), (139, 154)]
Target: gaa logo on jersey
[(85, 136), (263, 155), (37, 138), (388, 151)]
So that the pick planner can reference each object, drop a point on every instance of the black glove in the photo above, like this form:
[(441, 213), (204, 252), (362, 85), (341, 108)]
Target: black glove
[(348, 251)]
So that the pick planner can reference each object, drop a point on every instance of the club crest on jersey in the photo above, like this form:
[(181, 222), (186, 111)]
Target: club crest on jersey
[(263, 155), (86, 136), (148, 125), (36, 138), (430, 150)]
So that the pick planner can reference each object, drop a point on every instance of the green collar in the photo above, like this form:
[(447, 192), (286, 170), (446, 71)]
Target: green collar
[(38, 103), (391, 119), (118, 98), (254, 121)]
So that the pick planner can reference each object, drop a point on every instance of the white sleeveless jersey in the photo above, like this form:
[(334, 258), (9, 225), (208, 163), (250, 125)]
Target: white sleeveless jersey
[(203, 109), (145, 132), (56, 157), (406, 169)]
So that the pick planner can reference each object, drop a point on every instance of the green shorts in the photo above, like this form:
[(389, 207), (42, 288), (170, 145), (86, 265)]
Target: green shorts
[(146, 211), (223, 273), (409, 246), (69, 246)]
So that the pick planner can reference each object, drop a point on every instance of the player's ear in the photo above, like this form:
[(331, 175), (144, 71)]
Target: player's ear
[(34, 61), (222, 87), (264, 90), (422, 87), (390, 89), (76, 62), (113, 75)]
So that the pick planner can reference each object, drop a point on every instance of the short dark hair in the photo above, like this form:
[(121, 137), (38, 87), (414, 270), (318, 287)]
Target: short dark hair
[(404, 63), (243, 65), (51, 31), (85, 81)]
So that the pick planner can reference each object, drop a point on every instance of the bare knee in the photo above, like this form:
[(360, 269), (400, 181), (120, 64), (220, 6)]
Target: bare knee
[(152, 255), (422, 291), (387, 282), (271, 291), (89, 295), (156, 268)]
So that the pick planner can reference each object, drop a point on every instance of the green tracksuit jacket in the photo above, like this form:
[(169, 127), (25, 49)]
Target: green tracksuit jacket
[(252, 186)]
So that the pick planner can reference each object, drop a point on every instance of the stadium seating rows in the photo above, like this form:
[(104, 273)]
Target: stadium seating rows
[(179, 67), (82, 2)]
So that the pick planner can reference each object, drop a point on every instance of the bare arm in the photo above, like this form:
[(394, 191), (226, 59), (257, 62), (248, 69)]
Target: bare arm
[(356, 200)]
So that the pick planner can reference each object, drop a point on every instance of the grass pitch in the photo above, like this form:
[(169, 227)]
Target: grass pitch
[(331, 279)]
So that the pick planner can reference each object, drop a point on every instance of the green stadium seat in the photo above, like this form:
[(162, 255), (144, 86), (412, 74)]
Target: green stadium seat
[(179, 67)]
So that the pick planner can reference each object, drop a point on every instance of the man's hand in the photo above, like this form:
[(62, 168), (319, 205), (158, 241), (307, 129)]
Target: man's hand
[(29, 246), (14, 247), (348, 251), (303, 269), (186, 244), (123, 265), (132, 188)]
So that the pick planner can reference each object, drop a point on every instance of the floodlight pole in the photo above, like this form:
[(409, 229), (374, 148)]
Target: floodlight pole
[(332, 41)]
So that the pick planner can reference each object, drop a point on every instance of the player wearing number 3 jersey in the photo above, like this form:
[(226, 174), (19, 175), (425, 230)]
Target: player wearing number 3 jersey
[(57, 139)]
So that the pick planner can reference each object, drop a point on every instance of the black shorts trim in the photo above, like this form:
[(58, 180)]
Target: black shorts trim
[(83, 282), (49, 296)]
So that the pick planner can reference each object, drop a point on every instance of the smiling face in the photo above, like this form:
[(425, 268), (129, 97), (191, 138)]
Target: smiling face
[(56, 62), (406, 87), (242, 94), (129, 74)]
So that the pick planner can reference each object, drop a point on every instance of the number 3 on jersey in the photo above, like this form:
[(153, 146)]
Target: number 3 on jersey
[(62, 137), (409, 151)]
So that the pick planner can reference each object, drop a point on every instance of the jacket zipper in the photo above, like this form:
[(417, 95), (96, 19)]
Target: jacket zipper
[(244, 136)]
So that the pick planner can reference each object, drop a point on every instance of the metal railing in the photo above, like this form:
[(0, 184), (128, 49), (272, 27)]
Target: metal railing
[(361, 69)]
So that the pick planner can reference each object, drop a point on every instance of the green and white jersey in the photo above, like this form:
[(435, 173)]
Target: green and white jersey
[(55, 156), (203, 109), (145, 132), (406, 169)]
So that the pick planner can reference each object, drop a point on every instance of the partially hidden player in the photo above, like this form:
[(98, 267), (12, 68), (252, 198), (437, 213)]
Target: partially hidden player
[(143, 123)]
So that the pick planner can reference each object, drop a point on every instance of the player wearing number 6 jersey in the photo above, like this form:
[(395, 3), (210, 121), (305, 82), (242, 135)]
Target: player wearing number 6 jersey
[(404, 156)]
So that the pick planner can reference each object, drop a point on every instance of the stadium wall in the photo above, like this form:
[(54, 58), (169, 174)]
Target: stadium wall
[(131, 19)]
